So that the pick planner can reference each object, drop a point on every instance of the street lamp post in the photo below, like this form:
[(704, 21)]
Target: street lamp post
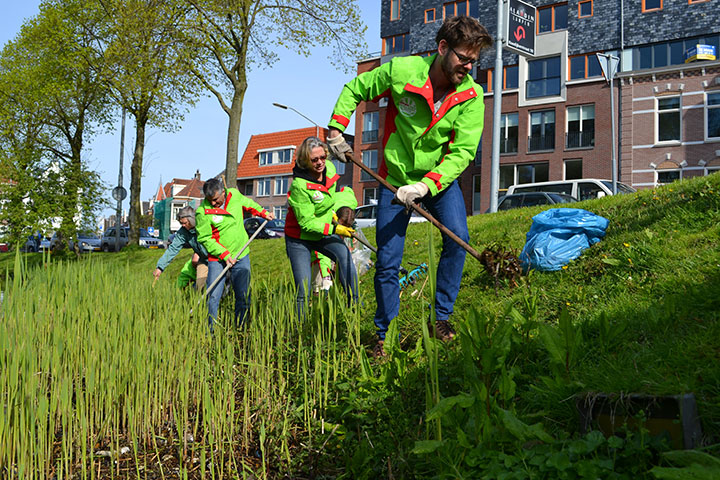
[(608, 64), (285, 107)]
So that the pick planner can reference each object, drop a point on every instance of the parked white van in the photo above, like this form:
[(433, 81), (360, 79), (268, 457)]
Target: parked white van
[(582, 188)]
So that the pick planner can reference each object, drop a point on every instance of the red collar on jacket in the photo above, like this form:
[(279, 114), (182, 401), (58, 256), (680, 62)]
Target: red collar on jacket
[(323, 188), (453, 98)]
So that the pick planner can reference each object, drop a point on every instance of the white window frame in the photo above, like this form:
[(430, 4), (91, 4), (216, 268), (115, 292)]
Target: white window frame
[(367, 153), (371, 122), (711, 170), (279, 183), (542, 114), (516, 175), (665, 170), (366, 192), (274, 155), (657, 120), (580, 118), (505, 126), (264, 187), (707, 111), (280, 212)]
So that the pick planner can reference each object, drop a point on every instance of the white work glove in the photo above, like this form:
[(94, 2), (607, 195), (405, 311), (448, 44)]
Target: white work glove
[(411, 194), (340, 149)]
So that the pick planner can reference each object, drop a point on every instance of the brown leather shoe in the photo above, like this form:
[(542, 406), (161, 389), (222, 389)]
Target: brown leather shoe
[(378, 350), (444, 330)]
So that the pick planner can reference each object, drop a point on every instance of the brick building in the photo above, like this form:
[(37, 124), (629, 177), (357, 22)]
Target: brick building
[(265, 169), (556, 105), (369, 124)]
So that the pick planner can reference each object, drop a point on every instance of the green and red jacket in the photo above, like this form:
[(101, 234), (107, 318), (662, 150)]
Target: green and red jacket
[(221, 230), (311, 204), (419, 143)]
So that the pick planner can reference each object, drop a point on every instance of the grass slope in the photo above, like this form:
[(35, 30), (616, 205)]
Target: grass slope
[(644, 301)]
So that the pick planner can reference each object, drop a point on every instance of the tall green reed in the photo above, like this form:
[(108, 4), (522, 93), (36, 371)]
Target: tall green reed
[(97, 359)]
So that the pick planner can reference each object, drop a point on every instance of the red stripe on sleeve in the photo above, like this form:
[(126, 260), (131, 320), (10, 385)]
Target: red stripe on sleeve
[(435, 177), (254, 212), (341, 120)]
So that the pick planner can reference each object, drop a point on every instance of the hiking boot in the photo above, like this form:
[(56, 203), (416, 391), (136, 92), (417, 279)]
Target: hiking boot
[(378, 350), (444, 330)]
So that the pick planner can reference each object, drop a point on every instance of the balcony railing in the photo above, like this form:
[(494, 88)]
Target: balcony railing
[(541, 142), (508, 145), (580, 139), (369, 136)]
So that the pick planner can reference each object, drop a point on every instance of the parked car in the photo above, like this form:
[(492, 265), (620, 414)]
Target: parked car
[(582, 189), (366, 216), (30, 244), (89, 242), (147, 241), (273, 229), (4, 247), (108, 239), (45, 244), (518, 200)]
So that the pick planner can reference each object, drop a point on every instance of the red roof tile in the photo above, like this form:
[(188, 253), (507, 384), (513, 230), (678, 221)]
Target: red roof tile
[(192, 190), (249, 165)]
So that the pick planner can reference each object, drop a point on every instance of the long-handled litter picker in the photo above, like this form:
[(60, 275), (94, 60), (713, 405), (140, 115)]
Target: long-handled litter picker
[(228, 264), (408, 278), (371, 247), (420, 211)]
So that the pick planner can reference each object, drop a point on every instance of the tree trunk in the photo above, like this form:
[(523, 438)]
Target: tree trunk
[(236, 109), (70, 199), (136, 179)]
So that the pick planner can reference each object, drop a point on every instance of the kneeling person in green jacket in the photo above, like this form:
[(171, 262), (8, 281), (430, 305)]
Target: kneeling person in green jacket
[(187, 235), (220, 229), (189, 274)]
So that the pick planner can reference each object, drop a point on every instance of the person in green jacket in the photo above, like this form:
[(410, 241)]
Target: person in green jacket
[(220, 229), (433, 126), (186, 235), (315, 205), (188, 273), (321, 267)]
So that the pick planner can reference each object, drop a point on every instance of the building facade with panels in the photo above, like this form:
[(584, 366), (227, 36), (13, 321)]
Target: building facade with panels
[(556, 115)]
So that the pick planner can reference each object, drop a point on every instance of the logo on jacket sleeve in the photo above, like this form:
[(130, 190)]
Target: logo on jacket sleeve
[(407, 106), (317, 197)]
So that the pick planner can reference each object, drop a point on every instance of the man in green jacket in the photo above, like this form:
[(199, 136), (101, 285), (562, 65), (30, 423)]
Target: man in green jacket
[(433, 126), (220, 229)]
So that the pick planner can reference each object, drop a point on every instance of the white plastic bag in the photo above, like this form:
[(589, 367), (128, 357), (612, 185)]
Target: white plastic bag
[(360, 253)]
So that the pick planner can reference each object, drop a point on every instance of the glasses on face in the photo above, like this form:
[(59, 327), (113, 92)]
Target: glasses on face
[(463, 59), (317, 159)]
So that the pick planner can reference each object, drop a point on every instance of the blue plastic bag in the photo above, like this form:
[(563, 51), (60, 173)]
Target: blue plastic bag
[(558, 236)]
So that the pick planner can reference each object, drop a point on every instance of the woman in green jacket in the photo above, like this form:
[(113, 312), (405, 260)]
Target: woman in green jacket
[(311, 223)]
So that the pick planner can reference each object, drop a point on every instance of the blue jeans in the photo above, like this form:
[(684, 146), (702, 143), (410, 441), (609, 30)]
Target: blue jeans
[(332, 246), (240, 279), (448, 207)]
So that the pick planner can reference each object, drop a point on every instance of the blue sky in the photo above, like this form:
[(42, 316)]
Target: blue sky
[(310, 85)]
